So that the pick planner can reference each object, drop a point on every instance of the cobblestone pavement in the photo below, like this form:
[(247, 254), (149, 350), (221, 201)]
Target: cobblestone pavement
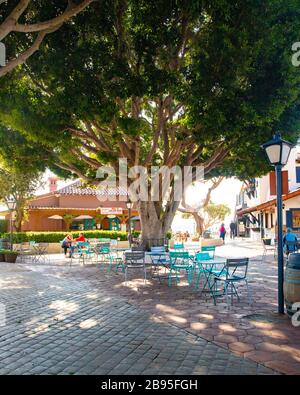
[(255, 332), (63, 320)]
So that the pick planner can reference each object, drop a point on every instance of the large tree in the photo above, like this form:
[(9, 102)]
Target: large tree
[(23, 16), (161, 83), (204, 212)]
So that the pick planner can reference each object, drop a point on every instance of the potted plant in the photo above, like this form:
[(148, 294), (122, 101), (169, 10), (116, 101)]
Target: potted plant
[(10, 256)]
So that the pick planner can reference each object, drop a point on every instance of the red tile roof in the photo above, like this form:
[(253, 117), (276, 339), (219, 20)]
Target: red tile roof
[(78, 188)]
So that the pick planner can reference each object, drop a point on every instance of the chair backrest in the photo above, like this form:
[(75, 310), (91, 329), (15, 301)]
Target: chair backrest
[(105, 249), (44, 245), (202, 256), (138, 248), (102, 246), (210, 250), (178, 246), (134, 258), (83, 245), (158, 249), (237, 267), (179, 257)]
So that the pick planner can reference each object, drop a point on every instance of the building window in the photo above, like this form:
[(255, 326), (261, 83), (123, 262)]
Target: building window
[(298, 174), (267, 220)]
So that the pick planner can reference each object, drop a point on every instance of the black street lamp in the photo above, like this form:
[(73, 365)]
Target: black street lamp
[(129, 205), (11, 205), (278, 152)]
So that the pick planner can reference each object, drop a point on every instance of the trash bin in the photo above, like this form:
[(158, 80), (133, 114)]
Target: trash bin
[(292, 282)]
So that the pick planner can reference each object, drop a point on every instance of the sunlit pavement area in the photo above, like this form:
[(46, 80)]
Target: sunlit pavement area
[(63, 319)]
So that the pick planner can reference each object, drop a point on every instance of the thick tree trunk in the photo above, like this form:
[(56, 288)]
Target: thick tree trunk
[(199, 224), (17, 223), (154, 226)]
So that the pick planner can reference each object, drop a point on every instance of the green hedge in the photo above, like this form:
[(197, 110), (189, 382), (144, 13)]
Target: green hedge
[(55, 237)]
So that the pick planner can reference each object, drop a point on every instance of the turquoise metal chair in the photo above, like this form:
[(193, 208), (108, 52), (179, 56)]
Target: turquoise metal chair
[(210, 250), (178, 247), (199, 260), (235, 273), (84, 250), (180, 261), (107, 258)]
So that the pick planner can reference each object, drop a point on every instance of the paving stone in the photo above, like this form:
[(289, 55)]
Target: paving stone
[(122, 338)]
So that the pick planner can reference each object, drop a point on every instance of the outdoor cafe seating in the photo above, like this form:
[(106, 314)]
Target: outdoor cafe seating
[(204, 272)]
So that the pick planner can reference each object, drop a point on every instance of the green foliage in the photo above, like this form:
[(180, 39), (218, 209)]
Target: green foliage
[(3, 225), (9, 252), (56, 237), (236, 81), (216, 212), (212, 79)]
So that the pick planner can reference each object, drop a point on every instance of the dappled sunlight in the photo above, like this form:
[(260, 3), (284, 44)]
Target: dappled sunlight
[(63, 308), (91, 296), (37, 331), (89, 323), (134, 284), (176, 319), (205, 316), (168, 309), (13, 283)]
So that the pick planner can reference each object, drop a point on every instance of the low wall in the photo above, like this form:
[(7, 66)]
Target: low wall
[(55, 248), (202, 242), (210, 242)]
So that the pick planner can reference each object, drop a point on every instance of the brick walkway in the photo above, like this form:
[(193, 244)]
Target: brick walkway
[(63, 320), (265, 337)]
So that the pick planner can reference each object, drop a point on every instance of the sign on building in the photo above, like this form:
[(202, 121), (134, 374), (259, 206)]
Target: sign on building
[(111, 210), (2, 54)]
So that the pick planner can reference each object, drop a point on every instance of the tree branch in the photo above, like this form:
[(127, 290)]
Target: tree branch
[(71, 11), (7, 26), (24, 56)]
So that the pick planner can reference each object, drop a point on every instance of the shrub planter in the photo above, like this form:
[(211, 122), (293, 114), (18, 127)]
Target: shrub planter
[(11, 256), (2, 257)]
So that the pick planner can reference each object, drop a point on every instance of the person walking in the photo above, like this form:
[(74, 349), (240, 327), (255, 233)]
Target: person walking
[(232, 229), (292, 238), (222, 231)]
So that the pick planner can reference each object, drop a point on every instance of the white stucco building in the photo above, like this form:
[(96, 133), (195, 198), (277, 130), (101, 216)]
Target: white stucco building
[(256, 203)]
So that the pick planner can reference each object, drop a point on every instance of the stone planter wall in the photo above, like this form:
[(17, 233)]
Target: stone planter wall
[(55, 248)]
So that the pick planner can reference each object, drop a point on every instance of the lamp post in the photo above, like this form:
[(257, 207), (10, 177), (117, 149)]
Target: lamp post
[(129, 205), (278, 152), (11, 205)]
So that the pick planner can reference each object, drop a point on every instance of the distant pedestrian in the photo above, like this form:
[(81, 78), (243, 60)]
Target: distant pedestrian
[(292, 238), (232, 230), (222, 231)]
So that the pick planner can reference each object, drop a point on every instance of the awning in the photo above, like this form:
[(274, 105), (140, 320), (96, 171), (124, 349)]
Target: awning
[(55, 217), (80, 217)]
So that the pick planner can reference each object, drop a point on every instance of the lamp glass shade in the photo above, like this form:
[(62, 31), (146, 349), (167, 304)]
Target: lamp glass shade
[(129, 205), (11, 204), (278, 150), (273, 152), (286, 149)]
